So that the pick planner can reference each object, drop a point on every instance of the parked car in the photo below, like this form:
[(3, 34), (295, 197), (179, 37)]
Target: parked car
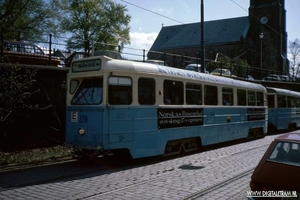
[(284, 78), (272, 77), (26, 53), (222, 72), (248, 77), (279, 168), (194, 67)]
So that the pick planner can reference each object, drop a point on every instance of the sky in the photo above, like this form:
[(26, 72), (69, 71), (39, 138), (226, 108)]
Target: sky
[(148, 16)]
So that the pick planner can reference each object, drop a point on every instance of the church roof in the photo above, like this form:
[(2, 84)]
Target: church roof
[(216, 32)]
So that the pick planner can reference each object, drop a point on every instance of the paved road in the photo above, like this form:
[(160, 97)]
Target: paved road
[(177, 178)]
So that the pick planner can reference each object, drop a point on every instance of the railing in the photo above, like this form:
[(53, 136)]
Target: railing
[(55, 54)]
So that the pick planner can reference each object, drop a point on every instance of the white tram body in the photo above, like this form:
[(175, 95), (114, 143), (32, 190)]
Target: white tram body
[(150, 110)]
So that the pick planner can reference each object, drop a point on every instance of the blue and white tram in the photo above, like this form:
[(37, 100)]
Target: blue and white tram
[(284, 109), (149, 110)]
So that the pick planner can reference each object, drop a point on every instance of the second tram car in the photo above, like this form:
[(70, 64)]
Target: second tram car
[(284, 108), (149, 110)]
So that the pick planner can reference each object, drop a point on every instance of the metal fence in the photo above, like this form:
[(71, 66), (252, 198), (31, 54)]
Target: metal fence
[(54, 53)]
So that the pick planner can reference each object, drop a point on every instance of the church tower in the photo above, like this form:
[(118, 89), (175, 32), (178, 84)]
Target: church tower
[(268, 32)]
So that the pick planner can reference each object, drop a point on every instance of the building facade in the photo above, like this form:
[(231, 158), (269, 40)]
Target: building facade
[(233, 38)]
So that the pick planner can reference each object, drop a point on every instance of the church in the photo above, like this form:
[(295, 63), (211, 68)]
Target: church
[(259, 38)]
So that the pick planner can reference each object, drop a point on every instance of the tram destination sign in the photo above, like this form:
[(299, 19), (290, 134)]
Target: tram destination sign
[(179, 117), (86, 65)]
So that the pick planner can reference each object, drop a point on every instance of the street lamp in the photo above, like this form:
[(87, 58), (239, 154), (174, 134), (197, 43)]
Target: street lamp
[(261, 36)]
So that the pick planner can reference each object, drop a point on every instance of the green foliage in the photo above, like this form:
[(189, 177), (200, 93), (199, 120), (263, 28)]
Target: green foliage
[(26, 19), (16, 88), (31, 156), (84, 22), (94, 21), (238, 67)]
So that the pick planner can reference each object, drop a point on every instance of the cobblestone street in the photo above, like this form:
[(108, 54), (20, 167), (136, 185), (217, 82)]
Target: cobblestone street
[(176, 178)]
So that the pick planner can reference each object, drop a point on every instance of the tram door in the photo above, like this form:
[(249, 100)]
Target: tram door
[(84, 117), (120, 114)]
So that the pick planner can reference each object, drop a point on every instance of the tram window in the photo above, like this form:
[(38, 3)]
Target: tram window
[(119, 90), (289, 101), (251, 98), (241, 97), (146, 91), (281, 101), (89, 92), (227, 96), (298, 103), (271, 101), (73, 86), (210, 95), (293, 102), (193, 94), (260, 98), (173, 92)]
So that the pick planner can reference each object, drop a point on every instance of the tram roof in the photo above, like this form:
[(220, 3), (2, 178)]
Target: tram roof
[(281, 91), (140, 67), (149, 68)]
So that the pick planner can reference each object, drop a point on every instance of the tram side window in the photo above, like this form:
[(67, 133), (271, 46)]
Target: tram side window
[(227, 96), (298, 103), (241, 97), (173, 92), (293, 102), (251, 98), (146, 91), (271, 101), (119, 90), (289, 101), (193, 94), (89, 92), (259, 98), (210, 95), (281, 101)]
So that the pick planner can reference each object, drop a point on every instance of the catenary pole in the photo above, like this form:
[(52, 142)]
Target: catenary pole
[(202, 38)]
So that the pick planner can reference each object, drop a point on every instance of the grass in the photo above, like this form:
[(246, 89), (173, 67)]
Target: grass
[(34, 155)]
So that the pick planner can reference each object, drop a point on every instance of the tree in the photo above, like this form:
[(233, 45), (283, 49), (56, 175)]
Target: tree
[(16, 87), (94, 21), (26, 19), (294, 49), (237, 66)]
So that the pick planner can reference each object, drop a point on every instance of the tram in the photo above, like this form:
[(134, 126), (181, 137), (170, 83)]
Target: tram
[(120, 106), (284, 109)]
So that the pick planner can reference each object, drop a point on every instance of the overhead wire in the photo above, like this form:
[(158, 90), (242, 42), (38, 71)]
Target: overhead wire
[(153, 12), (184, 23)]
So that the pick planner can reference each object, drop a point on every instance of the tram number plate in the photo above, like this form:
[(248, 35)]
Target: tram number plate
[(83, 118)]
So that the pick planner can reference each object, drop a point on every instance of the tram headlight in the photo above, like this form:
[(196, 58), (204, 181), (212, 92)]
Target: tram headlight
[(81, 131)]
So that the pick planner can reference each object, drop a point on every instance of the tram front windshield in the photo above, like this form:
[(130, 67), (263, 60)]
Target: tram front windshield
[(89, 92)]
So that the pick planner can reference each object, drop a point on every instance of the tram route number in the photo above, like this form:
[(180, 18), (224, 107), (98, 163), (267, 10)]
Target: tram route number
[(83, 119), (78, 118)]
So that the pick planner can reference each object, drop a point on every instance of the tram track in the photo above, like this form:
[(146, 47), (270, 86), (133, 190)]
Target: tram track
[(199, 194), (173, 172), (149, 174)]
